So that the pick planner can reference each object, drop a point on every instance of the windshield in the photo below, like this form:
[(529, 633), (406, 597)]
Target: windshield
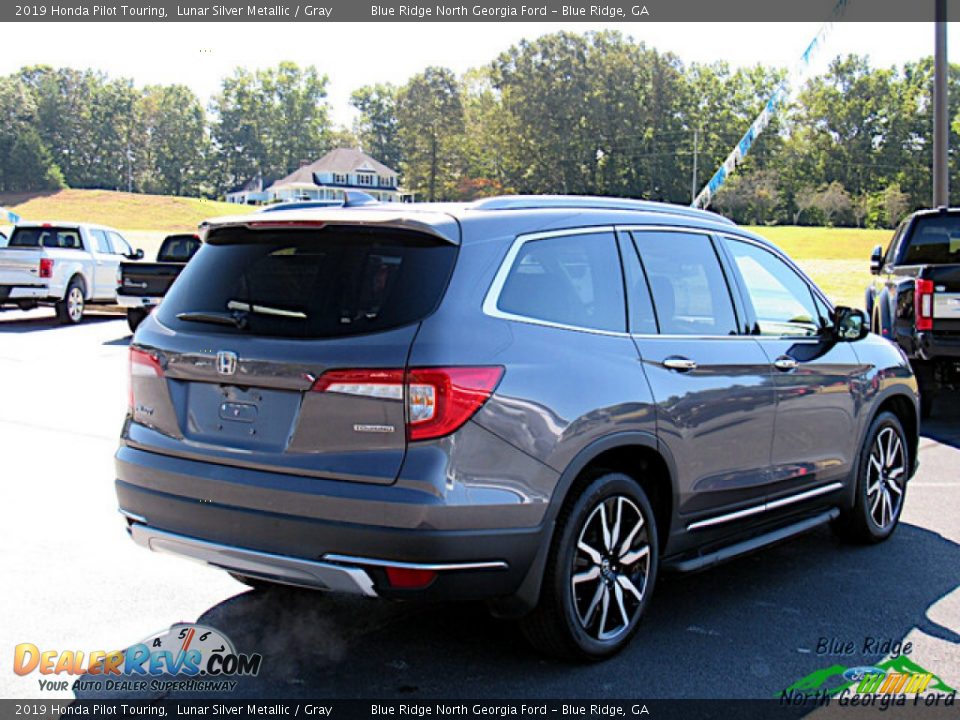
[(310, 283), (934, 241)]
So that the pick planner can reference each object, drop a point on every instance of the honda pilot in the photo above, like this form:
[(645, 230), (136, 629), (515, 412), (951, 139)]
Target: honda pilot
[(541, 402)]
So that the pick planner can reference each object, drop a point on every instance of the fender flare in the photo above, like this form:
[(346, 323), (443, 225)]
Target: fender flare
[(528, 594), (884, 316), (875, 403), (869, 296)]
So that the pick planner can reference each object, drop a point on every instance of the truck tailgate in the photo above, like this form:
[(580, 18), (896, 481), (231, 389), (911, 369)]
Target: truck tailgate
[(20, 266), (147, 279)]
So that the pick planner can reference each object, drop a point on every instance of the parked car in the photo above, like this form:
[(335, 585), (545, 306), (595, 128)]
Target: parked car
[(67, 265), (538, 401), (915, 299), (141, 286)]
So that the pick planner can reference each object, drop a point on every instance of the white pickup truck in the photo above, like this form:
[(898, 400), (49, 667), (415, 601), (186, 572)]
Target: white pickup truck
[(67, 265)]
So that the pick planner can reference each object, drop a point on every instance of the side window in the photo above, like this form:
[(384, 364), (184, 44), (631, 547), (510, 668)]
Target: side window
[(120, 246), (100, 242), (782, 300), (894, 242), (570, 280), (690, 292), (639, 303)]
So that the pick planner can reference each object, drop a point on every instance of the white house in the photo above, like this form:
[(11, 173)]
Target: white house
[(326, 179)]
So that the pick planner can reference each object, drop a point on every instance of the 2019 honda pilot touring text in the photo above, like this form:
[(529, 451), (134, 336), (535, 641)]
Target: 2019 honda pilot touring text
[(543, 402)]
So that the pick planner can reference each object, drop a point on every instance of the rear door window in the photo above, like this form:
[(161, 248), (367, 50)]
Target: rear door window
[(690, 291), (569, 280), (325, 283), (100, 242)]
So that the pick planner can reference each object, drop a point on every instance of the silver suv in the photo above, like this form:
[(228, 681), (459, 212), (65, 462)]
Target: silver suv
[(538, 401)]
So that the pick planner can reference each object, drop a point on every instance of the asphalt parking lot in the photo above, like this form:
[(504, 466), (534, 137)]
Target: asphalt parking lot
[(750, 628)]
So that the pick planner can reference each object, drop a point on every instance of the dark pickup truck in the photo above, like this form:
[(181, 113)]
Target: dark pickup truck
[(915, 299), (141, 286)]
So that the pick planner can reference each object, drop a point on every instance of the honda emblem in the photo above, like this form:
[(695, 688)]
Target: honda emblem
[(226, 362)]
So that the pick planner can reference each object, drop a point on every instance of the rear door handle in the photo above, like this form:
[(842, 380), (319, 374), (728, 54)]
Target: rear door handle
[(680, 364), (785, 363)]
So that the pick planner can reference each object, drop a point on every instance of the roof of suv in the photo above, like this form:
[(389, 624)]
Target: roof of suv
[(443, 220)]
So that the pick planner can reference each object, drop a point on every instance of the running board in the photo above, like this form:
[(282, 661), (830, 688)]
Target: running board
[(755, 543)]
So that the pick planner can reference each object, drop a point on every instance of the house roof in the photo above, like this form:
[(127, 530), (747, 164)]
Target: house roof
[(341, 160), (255, 184)]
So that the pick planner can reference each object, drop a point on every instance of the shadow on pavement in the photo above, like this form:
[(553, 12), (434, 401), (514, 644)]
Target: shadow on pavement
[(119, 342), (944, 424), (749, 628), (33, 323)]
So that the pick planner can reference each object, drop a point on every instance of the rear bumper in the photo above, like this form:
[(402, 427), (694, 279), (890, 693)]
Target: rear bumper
[(930, 346), (137, 301), (274, 541), (292, 571), (10, 293)]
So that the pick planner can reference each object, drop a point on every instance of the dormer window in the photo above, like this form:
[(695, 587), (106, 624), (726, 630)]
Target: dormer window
[(364, 179)]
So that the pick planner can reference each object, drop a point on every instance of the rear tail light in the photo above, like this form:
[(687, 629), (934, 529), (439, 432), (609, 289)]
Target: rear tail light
[(142, 365), (923, 299), (46, 267), (439, 401)]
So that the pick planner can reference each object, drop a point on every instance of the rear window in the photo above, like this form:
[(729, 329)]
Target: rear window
[(178, 248), (934, 241), (50, 237), (326, 283)]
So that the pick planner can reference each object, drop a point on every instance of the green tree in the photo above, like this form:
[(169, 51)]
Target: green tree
[(430, 120), (376, 126), (175, 146), (269, 121)]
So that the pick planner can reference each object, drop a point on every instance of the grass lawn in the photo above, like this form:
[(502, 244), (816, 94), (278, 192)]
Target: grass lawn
[(838, 259), (127, 211)]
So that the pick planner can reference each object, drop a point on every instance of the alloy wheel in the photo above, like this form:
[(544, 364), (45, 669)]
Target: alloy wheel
[(75, 304), (610, 568), (886, 474)]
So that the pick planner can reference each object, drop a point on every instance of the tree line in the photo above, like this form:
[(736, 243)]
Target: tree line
[(580, 113)]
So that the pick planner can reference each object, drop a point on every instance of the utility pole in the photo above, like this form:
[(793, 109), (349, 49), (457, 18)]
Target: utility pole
[(696, 150), (941, 176)]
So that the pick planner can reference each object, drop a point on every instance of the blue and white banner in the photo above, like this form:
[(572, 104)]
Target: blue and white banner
[(9, 216), (774, 103)]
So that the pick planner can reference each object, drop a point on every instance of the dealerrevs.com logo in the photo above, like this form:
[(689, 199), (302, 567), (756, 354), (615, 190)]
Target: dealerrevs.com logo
[(185, 657)]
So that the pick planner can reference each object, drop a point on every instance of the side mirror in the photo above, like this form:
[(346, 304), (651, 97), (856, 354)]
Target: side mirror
[(137, 254), (850, 324), (876, 260)]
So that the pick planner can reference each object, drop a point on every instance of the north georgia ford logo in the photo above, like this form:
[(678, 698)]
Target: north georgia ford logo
[(182, 650)]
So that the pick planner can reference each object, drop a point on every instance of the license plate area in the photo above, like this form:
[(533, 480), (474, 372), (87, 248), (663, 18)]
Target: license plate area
[(946, 306), (242, 418)]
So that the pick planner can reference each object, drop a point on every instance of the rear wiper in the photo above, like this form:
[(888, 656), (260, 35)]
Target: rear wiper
[(238, 320), (265, 310)]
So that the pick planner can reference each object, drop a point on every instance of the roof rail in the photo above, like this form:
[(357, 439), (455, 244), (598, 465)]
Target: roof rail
[(587, 202)]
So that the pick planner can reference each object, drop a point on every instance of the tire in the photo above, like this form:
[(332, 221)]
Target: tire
[(595, 592), (70, 309), (884, 466), (135, 316)]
